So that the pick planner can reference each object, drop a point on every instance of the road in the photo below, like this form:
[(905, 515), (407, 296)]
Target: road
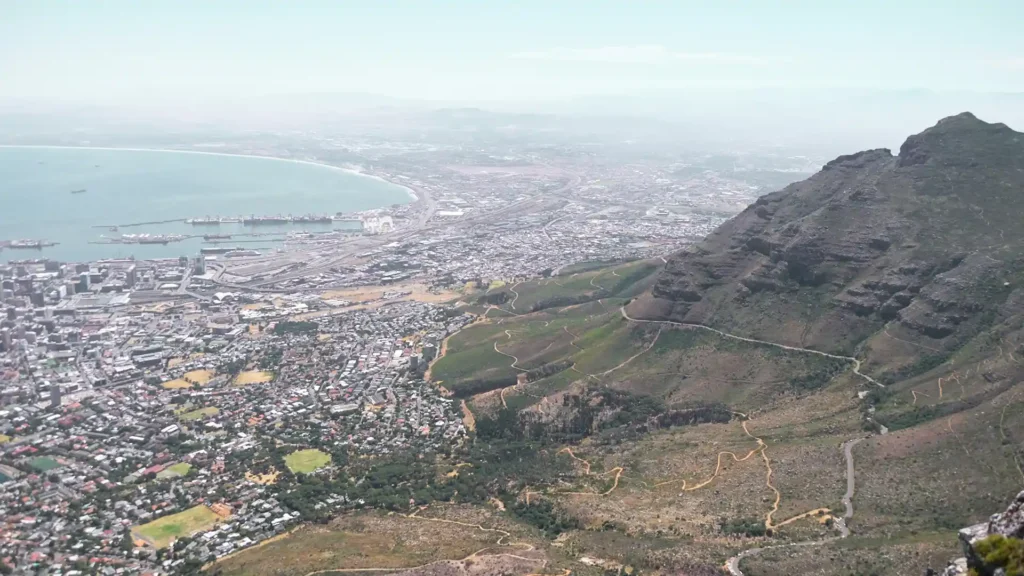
[(856, 362), (850, 486), (733, 564)]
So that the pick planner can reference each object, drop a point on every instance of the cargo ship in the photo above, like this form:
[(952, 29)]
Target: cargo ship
[(27, 244), (216, 236), (145, 239), (314, 219), (217, 249), (203, 221), (79, 191), (240, 253), (258, 220)]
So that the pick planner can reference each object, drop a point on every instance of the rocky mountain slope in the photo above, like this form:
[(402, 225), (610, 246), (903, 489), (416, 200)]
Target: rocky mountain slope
[(831, 383), (927, 242)]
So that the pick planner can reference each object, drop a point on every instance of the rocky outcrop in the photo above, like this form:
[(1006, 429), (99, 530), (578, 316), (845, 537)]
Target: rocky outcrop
[(917, 239), (1009, 523)]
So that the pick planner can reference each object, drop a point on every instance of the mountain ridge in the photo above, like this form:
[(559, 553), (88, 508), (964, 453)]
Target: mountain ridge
[(872, 238)]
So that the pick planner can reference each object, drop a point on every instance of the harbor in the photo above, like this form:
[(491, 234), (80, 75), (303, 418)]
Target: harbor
[(124, 197), (254, 220)]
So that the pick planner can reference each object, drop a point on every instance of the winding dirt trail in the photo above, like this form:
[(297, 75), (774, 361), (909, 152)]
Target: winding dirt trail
[(512, 289), (618, 470), (514, 359), (854, 361), (732, 565), (621, 364), (574, 338), (915, 394), (886, 332), (718, 468)]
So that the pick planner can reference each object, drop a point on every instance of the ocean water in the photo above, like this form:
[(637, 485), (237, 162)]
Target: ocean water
[(133, 186)]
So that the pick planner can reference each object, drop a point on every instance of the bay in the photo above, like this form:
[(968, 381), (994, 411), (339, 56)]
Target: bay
[(133, 186)]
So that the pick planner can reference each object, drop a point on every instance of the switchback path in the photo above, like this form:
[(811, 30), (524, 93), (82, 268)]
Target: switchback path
[(514, 359), (856, 362), (732, 565), (512, 289), (618, 470)]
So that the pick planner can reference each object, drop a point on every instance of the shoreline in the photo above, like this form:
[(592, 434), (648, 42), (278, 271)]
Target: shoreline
[(412, 193)]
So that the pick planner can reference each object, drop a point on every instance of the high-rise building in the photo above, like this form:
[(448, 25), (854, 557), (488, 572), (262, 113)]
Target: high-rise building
[(131, 276), (200, 265), (5, 339), (54, 395), (83, 282)]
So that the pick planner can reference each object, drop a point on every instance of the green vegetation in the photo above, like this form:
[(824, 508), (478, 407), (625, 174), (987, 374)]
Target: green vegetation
[(543, 515), (753, 527), (998, 551), (44, 463), (162, 531), (469, 362), (271, 359), (306, 461), (474, 386), (493, 468), (923, 364), (199, 414), (290, 327), (179, 468), (821, 376)]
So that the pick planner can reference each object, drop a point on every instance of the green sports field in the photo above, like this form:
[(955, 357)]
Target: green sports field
[(306, 461), (162, 531)]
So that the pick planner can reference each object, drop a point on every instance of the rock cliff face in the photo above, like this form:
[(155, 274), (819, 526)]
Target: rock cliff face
[(923, 239), (1009, 523)]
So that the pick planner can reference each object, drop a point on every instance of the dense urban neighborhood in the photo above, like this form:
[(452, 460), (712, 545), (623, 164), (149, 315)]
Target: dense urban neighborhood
[(158, 414)]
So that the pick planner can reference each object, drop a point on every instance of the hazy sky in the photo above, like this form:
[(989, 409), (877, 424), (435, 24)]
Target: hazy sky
[(490, 50)]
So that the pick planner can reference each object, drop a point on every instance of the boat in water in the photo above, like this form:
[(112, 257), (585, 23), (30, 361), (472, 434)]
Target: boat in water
[(260, 220), (207, 221), (27, 244), (79, 191)]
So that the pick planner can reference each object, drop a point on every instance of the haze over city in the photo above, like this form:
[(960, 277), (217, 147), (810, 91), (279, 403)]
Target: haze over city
[(874, 68), (462, 288)]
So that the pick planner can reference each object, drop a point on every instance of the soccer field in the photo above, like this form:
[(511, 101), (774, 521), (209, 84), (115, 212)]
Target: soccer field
[(162, 531), (306, 461)]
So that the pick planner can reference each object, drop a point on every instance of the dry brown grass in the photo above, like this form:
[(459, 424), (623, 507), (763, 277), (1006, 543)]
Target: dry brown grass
[(253, 377), (200, 376), (268, 478), (378, 540)]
